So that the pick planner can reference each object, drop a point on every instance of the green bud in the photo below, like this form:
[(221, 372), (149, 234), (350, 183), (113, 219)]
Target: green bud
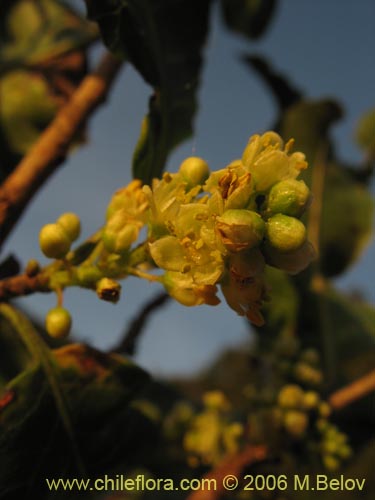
[(58, 322), (344, 451), (331, 463), (71, 224), (289, 197), (291, 396), (295, 422), (194, 171), (108, 290), (285, 233), (324, 409), (88, 275), (119, 234), (240, 229), (54, 241), (32, 268), (311, 399)]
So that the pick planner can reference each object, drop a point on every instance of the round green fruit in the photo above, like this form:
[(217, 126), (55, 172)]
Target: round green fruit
[(71, 224), (194, 170), (58, 322), (54, 241), (285, 233), (288, 197)]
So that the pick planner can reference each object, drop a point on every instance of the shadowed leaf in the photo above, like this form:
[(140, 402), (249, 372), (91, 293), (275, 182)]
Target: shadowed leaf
[(163, 39), (99, 389), (42, 60)]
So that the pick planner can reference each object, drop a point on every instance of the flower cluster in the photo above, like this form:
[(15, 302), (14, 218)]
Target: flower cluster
[(209, 229), (222, 228)]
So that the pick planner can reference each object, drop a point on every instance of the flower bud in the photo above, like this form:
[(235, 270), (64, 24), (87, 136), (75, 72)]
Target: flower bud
[(108, 290), (58, 322), (296, 422), (331, 463), (54, 241), (119, 234), (240, 229), (194, 171), (311, 399), (285, 233), (289, 197), (71, 224), (291, 396), (32, 268)]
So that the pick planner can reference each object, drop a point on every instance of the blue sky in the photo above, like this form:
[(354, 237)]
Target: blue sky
[(325, 48)]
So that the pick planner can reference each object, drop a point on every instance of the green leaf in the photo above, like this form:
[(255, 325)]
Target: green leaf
[(248, 17), (163, 39), (32, 32), (42, 61), (347, 207), (13, 355), (346, 220), (343, 328), (99, 389), (28, 108)]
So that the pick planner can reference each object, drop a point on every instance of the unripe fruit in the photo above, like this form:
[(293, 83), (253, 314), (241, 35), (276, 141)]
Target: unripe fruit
[(289, 197), (194, 170), (291, 396), (54, 241), (285, 233), (71, 224), (58, 322), (240, 229)]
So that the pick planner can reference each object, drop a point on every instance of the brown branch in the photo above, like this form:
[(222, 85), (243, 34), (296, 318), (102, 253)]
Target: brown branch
[(231, 466), (21, 285), (52, 146), (356, 390)]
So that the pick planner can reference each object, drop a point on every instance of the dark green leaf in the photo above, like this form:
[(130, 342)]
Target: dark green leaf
[(13, 355), (347, 207), (164, 40), (33, 32), (42, 60), (248, 17), (98, 389), (346, 220)]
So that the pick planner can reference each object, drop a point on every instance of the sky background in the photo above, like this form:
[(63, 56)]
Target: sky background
[(325, 48)]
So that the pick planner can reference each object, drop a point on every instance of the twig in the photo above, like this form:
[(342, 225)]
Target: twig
[(21, 285), (356, 390), (232, 466), (51, 148), (128, 344)]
